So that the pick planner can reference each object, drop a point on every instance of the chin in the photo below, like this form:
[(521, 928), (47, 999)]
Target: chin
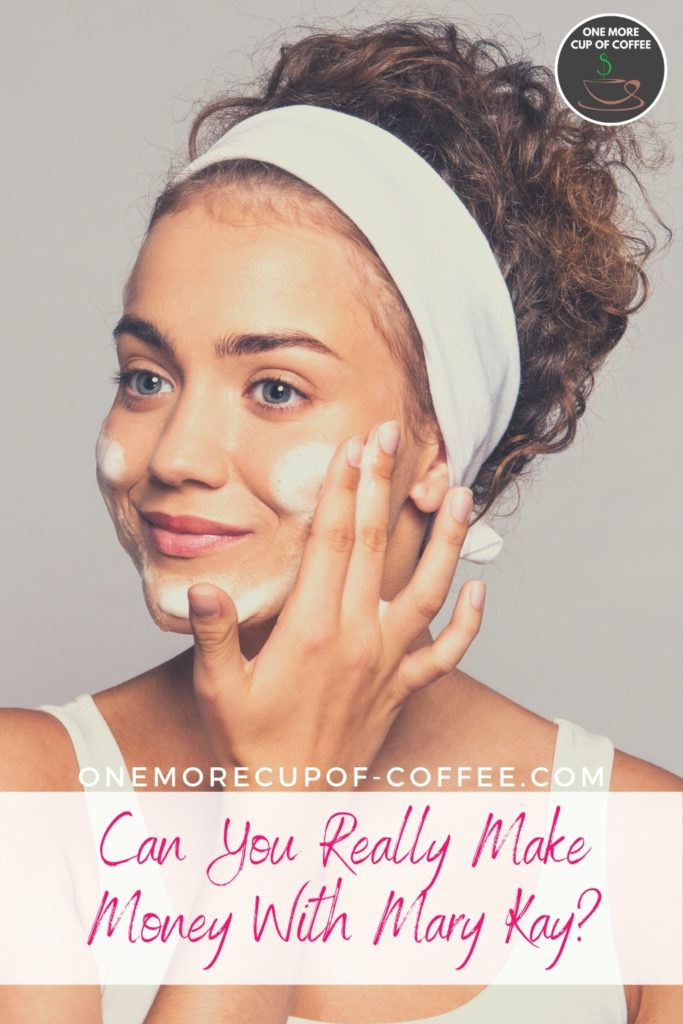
[(167, 605), (172, 623)]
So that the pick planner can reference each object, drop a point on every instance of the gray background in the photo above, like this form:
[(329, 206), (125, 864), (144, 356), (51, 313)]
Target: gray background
[(583, 608)]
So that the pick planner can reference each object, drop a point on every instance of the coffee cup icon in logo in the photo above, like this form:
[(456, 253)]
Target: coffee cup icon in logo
[(621, 93)]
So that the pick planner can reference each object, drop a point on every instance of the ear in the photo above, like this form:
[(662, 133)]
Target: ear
[(431, 484)]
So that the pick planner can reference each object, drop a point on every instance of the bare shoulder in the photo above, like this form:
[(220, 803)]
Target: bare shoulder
[(528, 738), (490, 728), (659, 1004), (631, 773), (36, 752)]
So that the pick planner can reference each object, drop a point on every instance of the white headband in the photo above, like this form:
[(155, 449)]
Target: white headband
[(436, 254)]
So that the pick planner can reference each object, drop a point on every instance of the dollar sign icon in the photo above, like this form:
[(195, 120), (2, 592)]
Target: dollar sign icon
[(606, 64)]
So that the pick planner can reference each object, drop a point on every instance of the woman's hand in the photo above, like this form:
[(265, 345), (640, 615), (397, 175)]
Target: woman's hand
[(335, 670)]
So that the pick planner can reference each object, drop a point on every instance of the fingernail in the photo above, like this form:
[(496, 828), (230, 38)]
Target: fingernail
[(477, 594), (388, 436), (460, 504), (204, 606), (354, 451)]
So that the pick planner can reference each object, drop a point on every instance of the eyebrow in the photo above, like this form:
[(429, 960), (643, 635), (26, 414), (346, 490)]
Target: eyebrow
[(229, 345)]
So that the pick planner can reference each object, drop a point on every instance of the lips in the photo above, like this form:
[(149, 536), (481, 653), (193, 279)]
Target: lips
[(187, 536)]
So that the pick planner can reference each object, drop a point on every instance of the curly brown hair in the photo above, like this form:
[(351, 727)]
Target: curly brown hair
[(544, 185)]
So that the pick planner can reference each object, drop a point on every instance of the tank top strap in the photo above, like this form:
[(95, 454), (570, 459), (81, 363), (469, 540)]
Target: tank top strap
[(97, 749), (93, 742), (584, 759)]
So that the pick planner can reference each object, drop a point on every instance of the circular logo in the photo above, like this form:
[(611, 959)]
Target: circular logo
[(610, 69)]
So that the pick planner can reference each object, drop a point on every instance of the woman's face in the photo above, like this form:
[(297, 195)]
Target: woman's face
[(216, 418)]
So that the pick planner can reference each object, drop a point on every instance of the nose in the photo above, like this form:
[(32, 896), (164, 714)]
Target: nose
[(192, 447)]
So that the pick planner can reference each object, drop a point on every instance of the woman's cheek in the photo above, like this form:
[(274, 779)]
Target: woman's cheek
[(112, 468), (296, 478), (110, 458)]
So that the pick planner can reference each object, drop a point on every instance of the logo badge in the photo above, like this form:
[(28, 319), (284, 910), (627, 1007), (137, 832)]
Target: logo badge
[(610, 69)]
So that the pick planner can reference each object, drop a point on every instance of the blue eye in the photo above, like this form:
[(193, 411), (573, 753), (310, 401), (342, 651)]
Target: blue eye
[(142, 383), (276, 393), (146, 383)]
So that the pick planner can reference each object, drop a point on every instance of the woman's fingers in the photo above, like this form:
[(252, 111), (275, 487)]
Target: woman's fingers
[(343, 561), (366, 566), (218, 662), (315, 600), (412, 610), (424, 666)]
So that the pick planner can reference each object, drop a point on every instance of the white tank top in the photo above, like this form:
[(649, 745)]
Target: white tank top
[(575, 748)]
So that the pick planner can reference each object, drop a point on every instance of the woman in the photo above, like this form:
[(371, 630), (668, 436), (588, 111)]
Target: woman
[(262, 341)]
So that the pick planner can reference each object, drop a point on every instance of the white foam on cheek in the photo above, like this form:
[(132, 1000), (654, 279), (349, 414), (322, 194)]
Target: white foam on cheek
[(297, 477), (110, 458), (173, 600)]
